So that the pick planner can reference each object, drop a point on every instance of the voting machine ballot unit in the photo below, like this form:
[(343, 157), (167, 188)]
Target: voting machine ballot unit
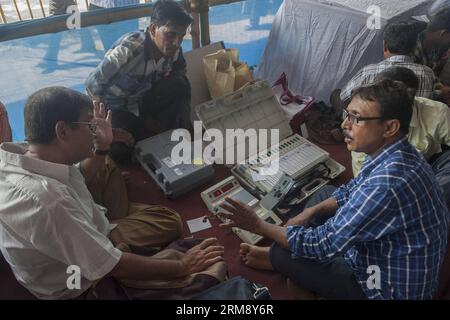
[(303, 168), (154, 154), (231, 188)]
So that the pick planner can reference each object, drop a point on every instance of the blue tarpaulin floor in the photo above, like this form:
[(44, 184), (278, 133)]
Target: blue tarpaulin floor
[(66, 58)]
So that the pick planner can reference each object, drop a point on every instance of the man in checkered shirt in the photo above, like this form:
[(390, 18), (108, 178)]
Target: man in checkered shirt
[(399, 43), (382, 235), (142, 79)]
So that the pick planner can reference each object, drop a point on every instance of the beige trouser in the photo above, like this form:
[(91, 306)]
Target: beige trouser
[(149, 226)]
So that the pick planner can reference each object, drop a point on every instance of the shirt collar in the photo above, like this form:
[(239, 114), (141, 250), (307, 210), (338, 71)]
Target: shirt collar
[(400, 58), (13, 154), (371, 162)]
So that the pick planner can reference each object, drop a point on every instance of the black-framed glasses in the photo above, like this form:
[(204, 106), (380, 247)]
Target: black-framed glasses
[(91, 125), (356, 119)]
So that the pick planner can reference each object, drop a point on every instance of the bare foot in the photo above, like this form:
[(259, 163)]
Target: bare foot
[(255, 257)]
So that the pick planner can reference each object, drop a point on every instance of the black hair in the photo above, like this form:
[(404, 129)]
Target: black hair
[(441, 21), (400, 38), (165, 11), (47, 106), (393, 99), (405, 75)]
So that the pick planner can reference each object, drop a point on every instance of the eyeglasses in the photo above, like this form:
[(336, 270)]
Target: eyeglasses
[(91, 125), (356, 119)]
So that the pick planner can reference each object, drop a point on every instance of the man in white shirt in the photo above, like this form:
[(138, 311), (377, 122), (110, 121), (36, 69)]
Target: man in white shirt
[(48, 219)]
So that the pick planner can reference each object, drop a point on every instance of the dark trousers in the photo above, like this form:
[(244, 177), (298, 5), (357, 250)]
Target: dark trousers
[(331, 278), (164, 107)]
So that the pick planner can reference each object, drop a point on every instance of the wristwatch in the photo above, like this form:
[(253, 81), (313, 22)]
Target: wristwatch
[(100, 152)]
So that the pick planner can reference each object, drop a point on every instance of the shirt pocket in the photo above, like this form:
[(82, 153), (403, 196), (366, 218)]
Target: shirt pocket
[(127, 83)]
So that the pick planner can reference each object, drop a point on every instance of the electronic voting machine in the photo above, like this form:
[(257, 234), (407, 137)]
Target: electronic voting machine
[(154, 154), (231, 188), (303, 167)]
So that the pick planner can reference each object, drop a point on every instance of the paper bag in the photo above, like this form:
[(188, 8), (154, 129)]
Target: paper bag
[(224, 73)]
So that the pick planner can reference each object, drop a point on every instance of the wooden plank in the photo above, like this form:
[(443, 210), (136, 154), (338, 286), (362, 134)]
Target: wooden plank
[(195, 30), (52, 24), (221, 2)]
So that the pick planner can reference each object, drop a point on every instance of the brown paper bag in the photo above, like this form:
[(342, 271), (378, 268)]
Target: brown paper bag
[(225, 73)]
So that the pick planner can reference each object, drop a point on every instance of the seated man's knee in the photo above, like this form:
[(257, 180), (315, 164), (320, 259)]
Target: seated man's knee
[(279, 258), (175, 223)]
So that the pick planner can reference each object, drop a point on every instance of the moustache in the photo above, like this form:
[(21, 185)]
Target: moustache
[(346, 134)]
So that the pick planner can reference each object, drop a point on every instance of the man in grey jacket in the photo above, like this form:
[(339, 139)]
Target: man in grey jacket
[(143, 79)]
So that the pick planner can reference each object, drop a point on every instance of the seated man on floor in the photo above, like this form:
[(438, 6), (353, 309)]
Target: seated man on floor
[(428, 130), (388, 228), (143, 79), (49, 220), (399, 43)]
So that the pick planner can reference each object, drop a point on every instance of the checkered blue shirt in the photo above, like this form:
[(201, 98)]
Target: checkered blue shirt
[(368, 74), (392, 216)]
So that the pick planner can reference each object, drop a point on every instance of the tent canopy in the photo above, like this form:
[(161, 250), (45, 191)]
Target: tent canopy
[(320, 45)]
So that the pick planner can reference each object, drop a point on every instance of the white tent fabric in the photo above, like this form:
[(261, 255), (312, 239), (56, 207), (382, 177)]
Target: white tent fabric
[(437, 6), (320, 45)]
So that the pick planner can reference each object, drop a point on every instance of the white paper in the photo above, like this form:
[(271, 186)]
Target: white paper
[(196, 225)]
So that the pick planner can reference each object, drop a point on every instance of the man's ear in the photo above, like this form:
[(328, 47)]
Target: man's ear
[(391, 128), (61, 130), (152, 29)]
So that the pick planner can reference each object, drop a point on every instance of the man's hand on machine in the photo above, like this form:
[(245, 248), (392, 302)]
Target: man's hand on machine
[(242, 216)]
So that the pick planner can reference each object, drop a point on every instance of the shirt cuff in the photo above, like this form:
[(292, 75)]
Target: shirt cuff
[(340, 197), (292, 237), (107, 266)]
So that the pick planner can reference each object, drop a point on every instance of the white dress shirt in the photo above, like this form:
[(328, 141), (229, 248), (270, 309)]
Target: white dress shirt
[(48, 222)]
